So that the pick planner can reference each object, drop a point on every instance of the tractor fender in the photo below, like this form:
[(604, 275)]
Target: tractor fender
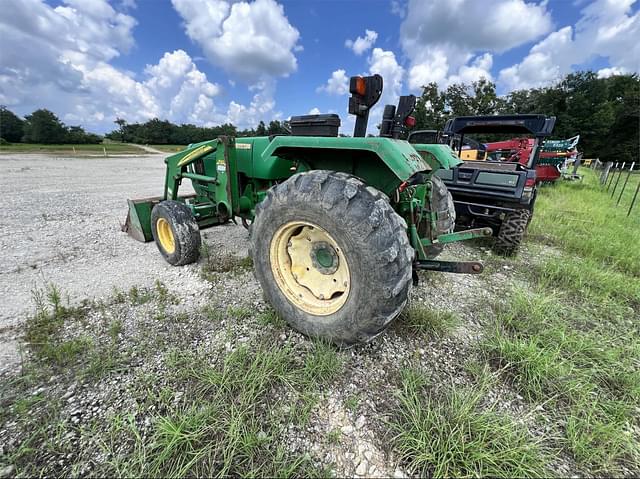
[(382, 162)]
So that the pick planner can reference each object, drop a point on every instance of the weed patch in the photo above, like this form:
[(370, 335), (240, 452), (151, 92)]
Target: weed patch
[(430, 322), (216, 261), (450, 436)]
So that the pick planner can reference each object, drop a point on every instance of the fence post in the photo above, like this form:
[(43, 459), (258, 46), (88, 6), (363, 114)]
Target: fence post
[(576, 163), (618, 180), (612, 175), (634, 199), (625, 182), (605, 173)]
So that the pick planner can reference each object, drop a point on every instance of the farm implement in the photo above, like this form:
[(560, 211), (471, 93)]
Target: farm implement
[(553, 154), (338, 226)]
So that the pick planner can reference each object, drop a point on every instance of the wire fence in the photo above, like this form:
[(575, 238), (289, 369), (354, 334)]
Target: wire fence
[(621, 181)]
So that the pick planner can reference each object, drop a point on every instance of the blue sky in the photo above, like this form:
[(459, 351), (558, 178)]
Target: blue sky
[(212, 61)]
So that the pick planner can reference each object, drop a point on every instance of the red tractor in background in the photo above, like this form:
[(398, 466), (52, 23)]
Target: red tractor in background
[(553, 155)]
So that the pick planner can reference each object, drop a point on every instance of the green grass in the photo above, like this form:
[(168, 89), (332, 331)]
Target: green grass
[(169, 148), (582, 219), (555, 377), (581, 367), (231, 425), (568, 338), (231, 418), (451, 435), (427, 321), (96, 149)]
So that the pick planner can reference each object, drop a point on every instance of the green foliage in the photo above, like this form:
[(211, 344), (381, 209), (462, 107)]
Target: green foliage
[(11, 126), (434, 107), (43, 127), (163, 132)]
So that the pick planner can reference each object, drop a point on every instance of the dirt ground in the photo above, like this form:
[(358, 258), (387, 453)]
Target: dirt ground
[(61, 223)]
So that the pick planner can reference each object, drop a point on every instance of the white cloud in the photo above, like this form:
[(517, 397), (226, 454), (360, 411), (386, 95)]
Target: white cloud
[(505, 24), (480, 67), (249, 40), (314, 111), (261, 107), (384, 63), (441, 38), (58, 58), (362, 44), (609, 72), (338, 84), (607, 28)]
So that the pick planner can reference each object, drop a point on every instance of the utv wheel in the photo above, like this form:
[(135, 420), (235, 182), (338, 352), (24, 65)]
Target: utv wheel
[(511, 232), (332, 256), (446, 216), (175, 232)]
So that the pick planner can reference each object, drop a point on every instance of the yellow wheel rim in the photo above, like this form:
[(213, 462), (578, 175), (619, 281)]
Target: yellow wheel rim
[(310, 268), (165, 235)]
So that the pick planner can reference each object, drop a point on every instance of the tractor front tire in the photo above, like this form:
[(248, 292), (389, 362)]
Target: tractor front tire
[(511, 232), (175, 232), (332, 256)]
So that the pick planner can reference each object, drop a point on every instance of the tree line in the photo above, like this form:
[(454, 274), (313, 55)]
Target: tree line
[(163, 132), (605, 112), (42, 126)]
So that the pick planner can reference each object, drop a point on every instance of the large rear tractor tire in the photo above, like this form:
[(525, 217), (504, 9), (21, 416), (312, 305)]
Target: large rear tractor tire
[(175, 232), (511, 232), (445, 208), (332, 256)]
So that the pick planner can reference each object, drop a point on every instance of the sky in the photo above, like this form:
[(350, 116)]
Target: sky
[(209, 62)]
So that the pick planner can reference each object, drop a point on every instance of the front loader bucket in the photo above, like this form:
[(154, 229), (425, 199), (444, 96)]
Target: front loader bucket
[(138, 222)]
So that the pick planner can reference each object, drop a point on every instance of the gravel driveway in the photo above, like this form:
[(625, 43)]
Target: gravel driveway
[(61, 224)]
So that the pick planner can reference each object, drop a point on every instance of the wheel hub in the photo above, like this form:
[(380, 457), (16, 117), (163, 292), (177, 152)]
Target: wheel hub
[(324, 257), (165, 235), (310, 267)]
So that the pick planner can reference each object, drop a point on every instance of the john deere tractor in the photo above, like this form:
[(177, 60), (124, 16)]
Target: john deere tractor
[(339, 226)]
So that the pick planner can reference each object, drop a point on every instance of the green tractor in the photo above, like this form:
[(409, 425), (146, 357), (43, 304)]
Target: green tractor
[(339, 226)]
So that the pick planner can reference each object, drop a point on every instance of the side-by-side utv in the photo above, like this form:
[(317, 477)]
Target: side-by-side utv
[(338, 226), (488, 192)]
